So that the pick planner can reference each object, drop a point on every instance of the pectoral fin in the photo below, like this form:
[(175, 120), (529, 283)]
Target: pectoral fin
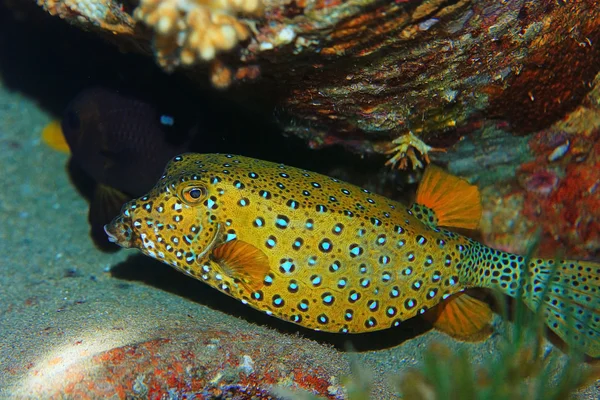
[(241, 260)]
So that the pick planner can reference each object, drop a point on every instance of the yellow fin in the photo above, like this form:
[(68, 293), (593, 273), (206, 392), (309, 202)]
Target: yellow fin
[(462, 317), (455, 202), (52, 135), (243, 261)]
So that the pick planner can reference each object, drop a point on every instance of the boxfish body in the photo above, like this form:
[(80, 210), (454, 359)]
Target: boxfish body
[(331, 256)]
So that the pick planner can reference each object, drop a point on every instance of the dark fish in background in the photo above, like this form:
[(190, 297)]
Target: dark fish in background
[(120, 142), (119, 147)]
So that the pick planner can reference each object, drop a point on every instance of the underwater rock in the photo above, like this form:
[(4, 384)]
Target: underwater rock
[(105, 15), (215, 362), (564, 198), (557, 190), (363, 73), (191, 31)]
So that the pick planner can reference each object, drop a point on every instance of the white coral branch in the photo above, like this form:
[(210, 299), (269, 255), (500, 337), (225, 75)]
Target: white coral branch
[(188, 31)]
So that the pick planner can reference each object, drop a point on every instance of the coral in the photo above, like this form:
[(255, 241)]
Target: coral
[(561, 188), (547, 181), (187, 31), (362, 72), (558, 192), (407, 144), (567, 207), (103, 14), (191, 362)]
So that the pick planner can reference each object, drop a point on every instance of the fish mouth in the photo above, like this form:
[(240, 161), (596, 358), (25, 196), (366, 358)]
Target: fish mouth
[(119, 232), (111, 237)]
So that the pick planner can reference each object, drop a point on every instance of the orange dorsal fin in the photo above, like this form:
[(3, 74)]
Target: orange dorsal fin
[(241, 260), (463, 317), (455, 202), (52, 135)]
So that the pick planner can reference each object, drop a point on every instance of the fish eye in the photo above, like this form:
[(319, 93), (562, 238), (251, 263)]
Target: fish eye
[(193, 194)]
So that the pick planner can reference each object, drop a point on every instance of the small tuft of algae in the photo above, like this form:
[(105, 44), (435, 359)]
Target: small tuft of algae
[(522, 370)]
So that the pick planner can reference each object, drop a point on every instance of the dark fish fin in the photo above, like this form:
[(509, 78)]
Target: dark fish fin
[(82, 181), (454, 201), (463, 317), (106, 204), (243, 261), (53, 136)]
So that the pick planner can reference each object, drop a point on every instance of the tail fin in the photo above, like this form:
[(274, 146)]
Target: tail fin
[(566, 293)]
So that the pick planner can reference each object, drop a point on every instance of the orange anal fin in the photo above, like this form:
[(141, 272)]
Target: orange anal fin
[(455, 202), (241, 260), (462, 317), (52, 135)]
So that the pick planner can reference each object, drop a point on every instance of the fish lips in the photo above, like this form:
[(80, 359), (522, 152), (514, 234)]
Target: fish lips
[(120, 231)]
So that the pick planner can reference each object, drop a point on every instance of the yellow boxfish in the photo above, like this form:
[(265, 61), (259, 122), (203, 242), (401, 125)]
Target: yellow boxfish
[(331, 256)]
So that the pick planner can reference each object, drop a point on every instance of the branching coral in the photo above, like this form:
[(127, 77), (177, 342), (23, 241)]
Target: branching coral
[(187, 31), (406, 145)]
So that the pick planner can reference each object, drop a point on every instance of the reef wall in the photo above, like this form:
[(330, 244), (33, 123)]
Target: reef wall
[(363, 72)]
